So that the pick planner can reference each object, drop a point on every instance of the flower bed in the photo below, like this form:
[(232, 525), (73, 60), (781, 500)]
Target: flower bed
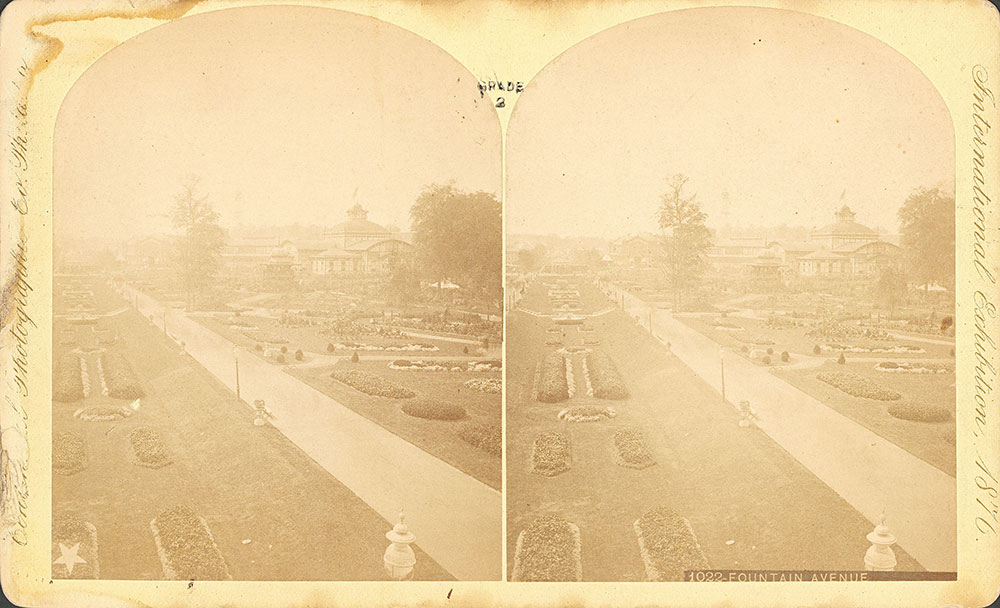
[(668, 545), (912, 368), (631, 449), (121, 380), (419, 347), (858, 386), (69, 532), (552, 385), (604, 377), (919, 412), (69, 453), (147, 449), (485, 435), (570, 381), (67, 384), (586, 377), (370, 384), (186, 547), (484, 385), (427, 366), (550, 454), (586, 413), (548, 550), (432, 409), (102, 413), (892, 350)]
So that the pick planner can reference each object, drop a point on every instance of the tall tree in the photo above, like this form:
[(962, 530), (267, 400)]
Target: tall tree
[(199, 241), (927, 228), (458, 238), (684, 238), (890, 288)]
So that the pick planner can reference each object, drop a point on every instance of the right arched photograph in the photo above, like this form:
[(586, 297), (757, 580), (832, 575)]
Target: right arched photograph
[(730, 303)]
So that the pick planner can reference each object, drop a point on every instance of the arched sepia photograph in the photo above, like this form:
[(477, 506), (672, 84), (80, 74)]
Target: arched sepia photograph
[(277, 306), (731, 307)]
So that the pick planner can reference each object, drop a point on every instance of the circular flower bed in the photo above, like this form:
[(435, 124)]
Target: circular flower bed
[(432, 409), (858, 386), (919, 412), (912, 368), (371, 384), (586, 413)]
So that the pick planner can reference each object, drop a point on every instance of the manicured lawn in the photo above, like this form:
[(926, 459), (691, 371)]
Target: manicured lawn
[(274, 513), (731, 483), (438, 437), (933, 442)]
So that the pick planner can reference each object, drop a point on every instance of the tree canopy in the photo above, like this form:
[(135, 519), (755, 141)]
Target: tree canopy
[(458, 237), (684, 238), (199, 241), (927, 228)]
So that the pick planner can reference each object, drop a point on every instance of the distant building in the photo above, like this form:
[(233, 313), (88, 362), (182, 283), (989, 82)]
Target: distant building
[(638, 251)]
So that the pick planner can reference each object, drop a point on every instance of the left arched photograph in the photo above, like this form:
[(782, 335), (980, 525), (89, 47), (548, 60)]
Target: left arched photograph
[(277, 300)]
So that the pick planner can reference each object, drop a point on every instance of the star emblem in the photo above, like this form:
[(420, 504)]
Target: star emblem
[(69, 557)]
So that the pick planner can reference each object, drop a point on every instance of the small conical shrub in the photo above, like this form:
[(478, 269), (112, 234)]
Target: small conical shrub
[(744, 349), (355, 358), (281, 358), (784, 356), (952, 352), (330, 347), (258, 347), (298, 355), (766, 360), (817, 350), (284, 349), (465, 349), (770, 350), (841, 360)]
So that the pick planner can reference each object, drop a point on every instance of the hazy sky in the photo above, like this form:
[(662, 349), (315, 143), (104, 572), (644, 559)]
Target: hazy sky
[(282, 112), (776, 112)]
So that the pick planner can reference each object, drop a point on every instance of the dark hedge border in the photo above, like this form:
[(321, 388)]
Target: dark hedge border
[(919, 412), (432, 409)]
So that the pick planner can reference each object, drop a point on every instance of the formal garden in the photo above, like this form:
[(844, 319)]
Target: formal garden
[(623, 465)]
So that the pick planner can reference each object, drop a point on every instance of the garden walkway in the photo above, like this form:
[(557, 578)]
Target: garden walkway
[(869, 472), (456, 518)]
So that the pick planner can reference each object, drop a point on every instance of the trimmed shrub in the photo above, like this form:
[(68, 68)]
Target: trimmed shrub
[(548, 551), (550, 454), (841, 360), (668, 545), (119, 377), (284, 349), (485, 435), (552, 385), (770, 350), (604, 377), (299, 355), (919, 412), (631, 448), (817, 350), (355, 358), (766, 360), (66, 382), (784, 356), (330, 347), (371, 384), (465, 349), (858, 386), (433, 409), (952, 352), (258, 347), (280, 358), (744, 348)]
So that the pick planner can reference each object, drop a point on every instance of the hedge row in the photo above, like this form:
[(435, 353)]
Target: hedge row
[(118, 375), (552, 385), (919, 412), (433, 409), (604, 377)]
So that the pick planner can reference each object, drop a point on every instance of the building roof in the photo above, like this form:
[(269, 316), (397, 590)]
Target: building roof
[(844, 226), (822, 254), (796, 246), (366, 245), (334, 253), (357, 226)]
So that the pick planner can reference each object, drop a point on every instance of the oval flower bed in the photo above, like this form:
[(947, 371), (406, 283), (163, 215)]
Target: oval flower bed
[(485, 385), (69, 453), (586, 413), (432, 409), (668, 545), (484, 434), (186, 547), (548, 550), (552, 385), (550, 454), (147, 449), (894, 350), (390, 348), (370, 384), (631, 449), (427, 366), (121, 380), (919, 412), (67, 384), (858, 386), (604, 377)]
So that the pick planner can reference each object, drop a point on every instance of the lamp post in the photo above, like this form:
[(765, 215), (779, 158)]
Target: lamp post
[(236, 358), (880, 556), (399, 558)]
